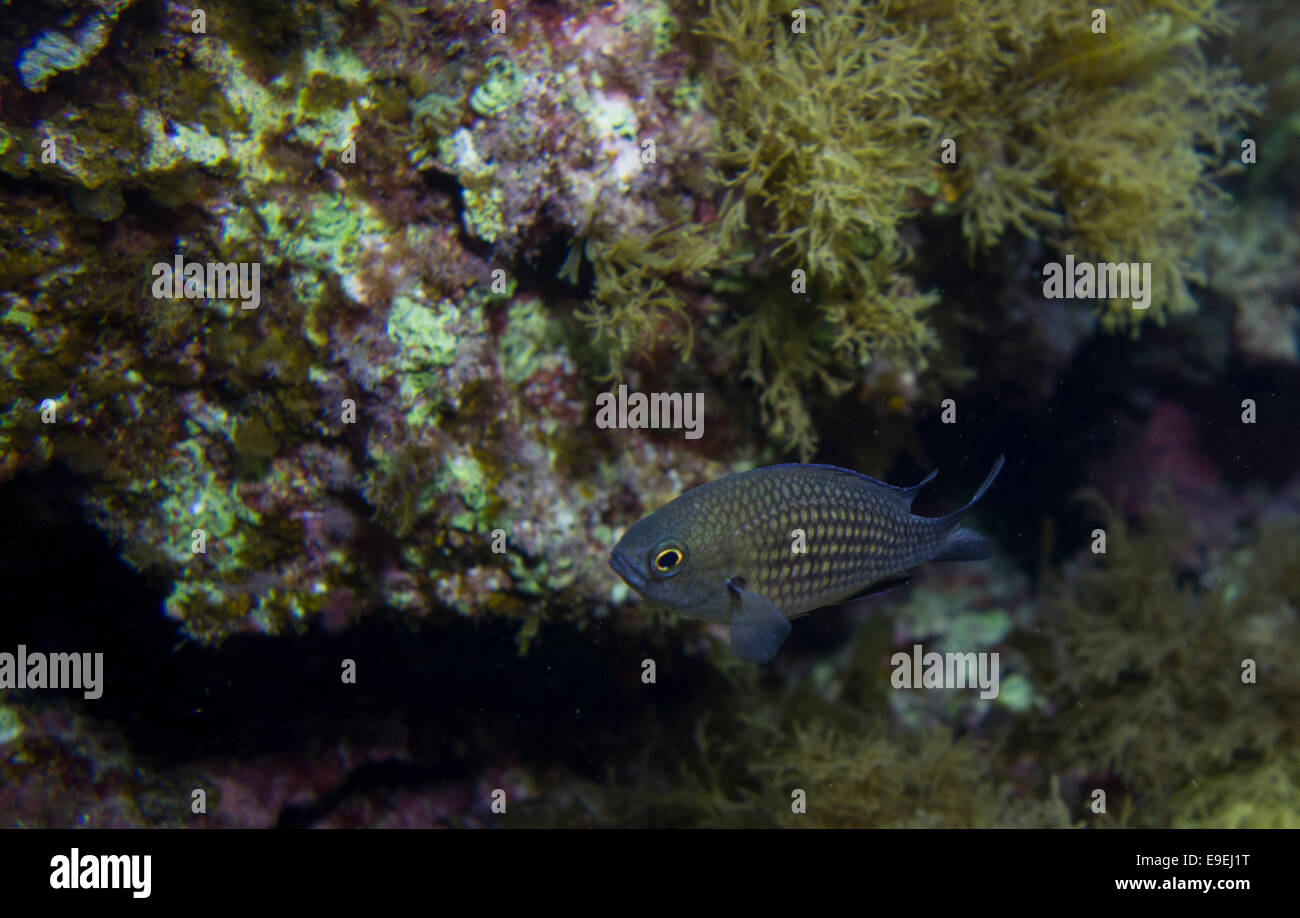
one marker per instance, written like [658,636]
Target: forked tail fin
[956,515]
[966,544]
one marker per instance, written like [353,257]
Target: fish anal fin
[879,588]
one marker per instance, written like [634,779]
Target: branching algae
[830,127]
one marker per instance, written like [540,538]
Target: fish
[756,549]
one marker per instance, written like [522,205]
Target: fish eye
[668,559]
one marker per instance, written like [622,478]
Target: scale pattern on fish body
[853,535]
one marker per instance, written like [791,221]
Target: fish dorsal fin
[907,495]
[904,496]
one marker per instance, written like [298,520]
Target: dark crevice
[446,183]
[459,688]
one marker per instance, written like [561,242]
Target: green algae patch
[322,243]
[179,144]
[54,51]
[191,495]
[11,725]
[501,89]
[657,20]
[426,333]
[529,341]
[483,196]
[462,476]
[1263,797]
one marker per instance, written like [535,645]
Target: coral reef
[328,168]
[464,233]
[336,414]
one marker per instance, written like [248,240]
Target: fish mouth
[624,568]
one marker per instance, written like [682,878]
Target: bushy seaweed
[1155,669]
[828,143]
[837,768]
[638,278]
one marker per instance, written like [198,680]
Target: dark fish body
[729,551]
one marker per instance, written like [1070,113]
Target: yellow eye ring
[668,559]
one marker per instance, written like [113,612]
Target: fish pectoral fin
[757,627]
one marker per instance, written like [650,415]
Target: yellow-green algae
[1264,797]
[1106,145]
[530,342]
[500,90]
[1150,667]
[54,52]
[846,770]
[11,725]
[211,590]
[481,192]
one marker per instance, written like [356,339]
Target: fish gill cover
[368,485]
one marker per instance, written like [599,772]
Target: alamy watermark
[197,280]
[656,411]
[54,670]
[1105,280]
[75,870]
[946,671]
